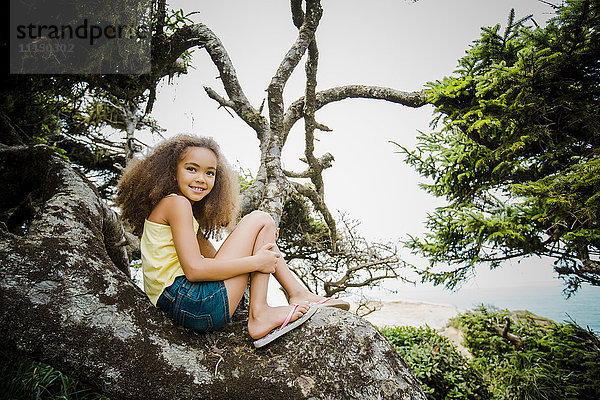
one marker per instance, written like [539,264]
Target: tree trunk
[63,301]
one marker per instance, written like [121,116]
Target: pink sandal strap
[326,299]
[290,315]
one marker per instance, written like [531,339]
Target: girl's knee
[261,218]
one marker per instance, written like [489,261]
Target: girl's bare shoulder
[169,208]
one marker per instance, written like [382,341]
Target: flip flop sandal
[286,326]
[336,303]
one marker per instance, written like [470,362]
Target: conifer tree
[517,155]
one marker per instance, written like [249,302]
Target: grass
[24,379]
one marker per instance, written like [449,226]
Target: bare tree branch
[315,167]
[355,263]
[409,99]
[218,98]
[276,187]
[309,115]
[516,341]
[305,174]
[271,188]
[292,58]
[237,99]
[297,13]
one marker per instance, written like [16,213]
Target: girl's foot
[308,297]
[264,320]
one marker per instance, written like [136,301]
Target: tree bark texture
[63,301]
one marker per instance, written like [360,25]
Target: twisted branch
[315,166]
[410,99]
[237,99]
[306,34]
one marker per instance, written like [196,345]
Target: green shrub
[443,372]
[556,361]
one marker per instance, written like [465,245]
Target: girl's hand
[267,258]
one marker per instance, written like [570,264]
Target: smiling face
[196,172]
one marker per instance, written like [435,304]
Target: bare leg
[287,279]
[297,293]
[262,318]
[255,230]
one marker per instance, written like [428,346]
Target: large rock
[63,301]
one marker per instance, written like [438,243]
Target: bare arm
[177,212]
[206,247]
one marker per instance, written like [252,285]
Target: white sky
[394,43]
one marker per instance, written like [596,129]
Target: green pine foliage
[517,156]
[443,372]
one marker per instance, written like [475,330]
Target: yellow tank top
[160,263]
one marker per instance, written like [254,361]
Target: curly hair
[146,181]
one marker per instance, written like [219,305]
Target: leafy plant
[556,361]
[443,372]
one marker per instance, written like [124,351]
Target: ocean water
[543,299]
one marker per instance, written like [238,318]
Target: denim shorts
[200,306]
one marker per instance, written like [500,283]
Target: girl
[177,197]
